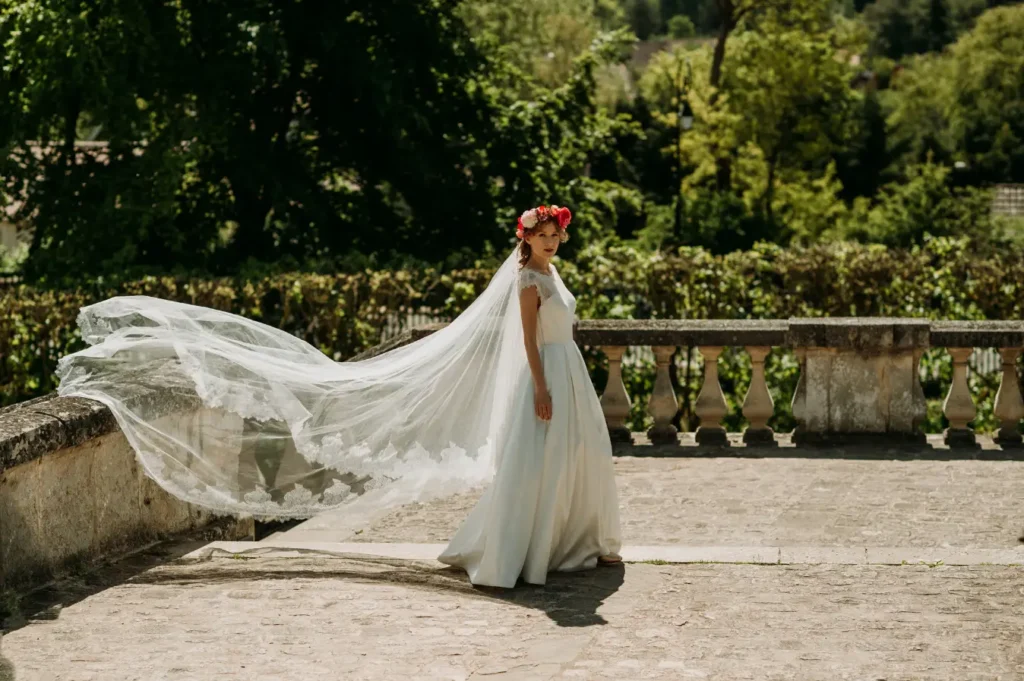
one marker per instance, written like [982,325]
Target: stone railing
[859,378]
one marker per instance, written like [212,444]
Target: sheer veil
[243,418]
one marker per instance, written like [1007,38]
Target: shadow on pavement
[46,603]
[6,668]
[569,599]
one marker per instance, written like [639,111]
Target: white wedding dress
[552,505]
[239,417]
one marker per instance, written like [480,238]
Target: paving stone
[774,502]
[342,618]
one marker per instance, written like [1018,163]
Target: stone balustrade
[859,378]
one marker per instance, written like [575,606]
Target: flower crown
[535,216]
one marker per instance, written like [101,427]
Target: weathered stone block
[859,378]
[62,505]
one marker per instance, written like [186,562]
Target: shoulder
[527,278]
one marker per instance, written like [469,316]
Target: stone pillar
[663,403]
[959,405]
[1009,405]
[615,400]
[711,407]
[859,379]
[758,405]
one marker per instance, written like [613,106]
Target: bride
[242,418]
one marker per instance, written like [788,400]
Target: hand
[542,404]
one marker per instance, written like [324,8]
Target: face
[545,239]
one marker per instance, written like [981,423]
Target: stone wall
[72,491]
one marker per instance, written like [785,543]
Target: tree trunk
[728,23]
[723,164]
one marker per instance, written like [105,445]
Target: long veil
[243,418]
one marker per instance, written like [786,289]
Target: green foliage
[242,118]
[233,137]
[234,144]
[681,26]
[540,39]
[986,115]
[967,104]
[343,314]
[924,205]
[644,18]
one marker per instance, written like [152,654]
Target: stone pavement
[356,618]
[818,613]
[773,502]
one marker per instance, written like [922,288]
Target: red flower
[564,217]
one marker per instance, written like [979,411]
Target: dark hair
[524,248]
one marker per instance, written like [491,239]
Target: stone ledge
[997,334]
[864,334]
[857,333]
[708,333]
[46,424]
[32,429]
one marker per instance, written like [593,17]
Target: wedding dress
[239,417]
[553,504]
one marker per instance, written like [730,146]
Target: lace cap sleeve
[529,278]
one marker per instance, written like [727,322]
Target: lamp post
[684,121]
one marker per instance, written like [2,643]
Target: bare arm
[529,305]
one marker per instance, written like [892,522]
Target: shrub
[343,314]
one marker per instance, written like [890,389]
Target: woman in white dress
[553,503]
[239,417]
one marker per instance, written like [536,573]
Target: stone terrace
[883,554]
[796,568]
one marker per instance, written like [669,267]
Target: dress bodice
[557,308]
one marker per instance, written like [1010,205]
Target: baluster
[920,412]
[799,403]
[1009,405]
[663,404]
[758,405]
[959,406]
[710,406]
[615,400]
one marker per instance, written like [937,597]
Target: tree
[940,27]
[922,205]
[230,134]
[794,96]
[114,62]
[541,39]
[864,164]
[896,27]
[681,26]
[905,27]
[644,18]
[731,14]
[986,93]
[920,98]
[967,103]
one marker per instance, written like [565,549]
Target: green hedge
[345,313]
